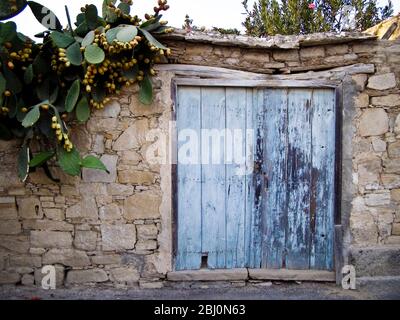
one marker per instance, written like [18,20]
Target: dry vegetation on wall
[44,86]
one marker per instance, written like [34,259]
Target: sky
[208,13]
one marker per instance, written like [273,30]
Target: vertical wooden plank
[213,176]
[323,179]
[251,102]
[275,162]
[235,191]
[299,175]
[256,184]
[188,185]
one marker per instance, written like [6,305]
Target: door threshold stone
[209,275]
[252,274]
[292,275]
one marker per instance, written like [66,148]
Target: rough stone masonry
[116,229]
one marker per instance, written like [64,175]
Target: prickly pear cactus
[46,86]
[10,8]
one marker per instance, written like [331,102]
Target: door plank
[322,181]
[256,184]
[251,101]
[275,211]
[299,175]
[188,184]
[213,177]
[235,190]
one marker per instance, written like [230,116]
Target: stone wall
[270,60]
[374,217]
[98,229]
[116,229]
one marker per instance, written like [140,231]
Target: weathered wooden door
[279,214]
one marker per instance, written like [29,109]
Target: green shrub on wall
[44,86]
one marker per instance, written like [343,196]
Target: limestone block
[374,122]
[312,52]
[69,191]
[51,239]
[30,208]
[368,170]
[134,137]
[382,81]
[144,205]
[391,166]
[118,237]
[337,49]
[66,257]
[377,199]
[116,189]
[8,208]
[10,227]
[395,240]
[8,277]
[147,231]
[135,177]
[92,189]
[47,225]
[374,261]
[384,218]
[394,150]
[378,145]
[96,125]
[209,275]
[25,261]
[362,100]
[391,100]
[144,245]
[341,58]
[110,212]
[363,228]
[151,285]
[360,80]
[131,157]
[397,125]
[391,181]
[85,240]
[86,276]
[104,200]
[139,109]
[54,214]
[106,259]
[396,229]
[98,144]
[87,208]
[126,274]
[13,243]
[28,280]
[286,55]
[395,195]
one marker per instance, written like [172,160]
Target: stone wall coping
[278,41]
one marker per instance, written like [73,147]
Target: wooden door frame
[273,83]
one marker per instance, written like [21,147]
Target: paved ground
[377,289]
